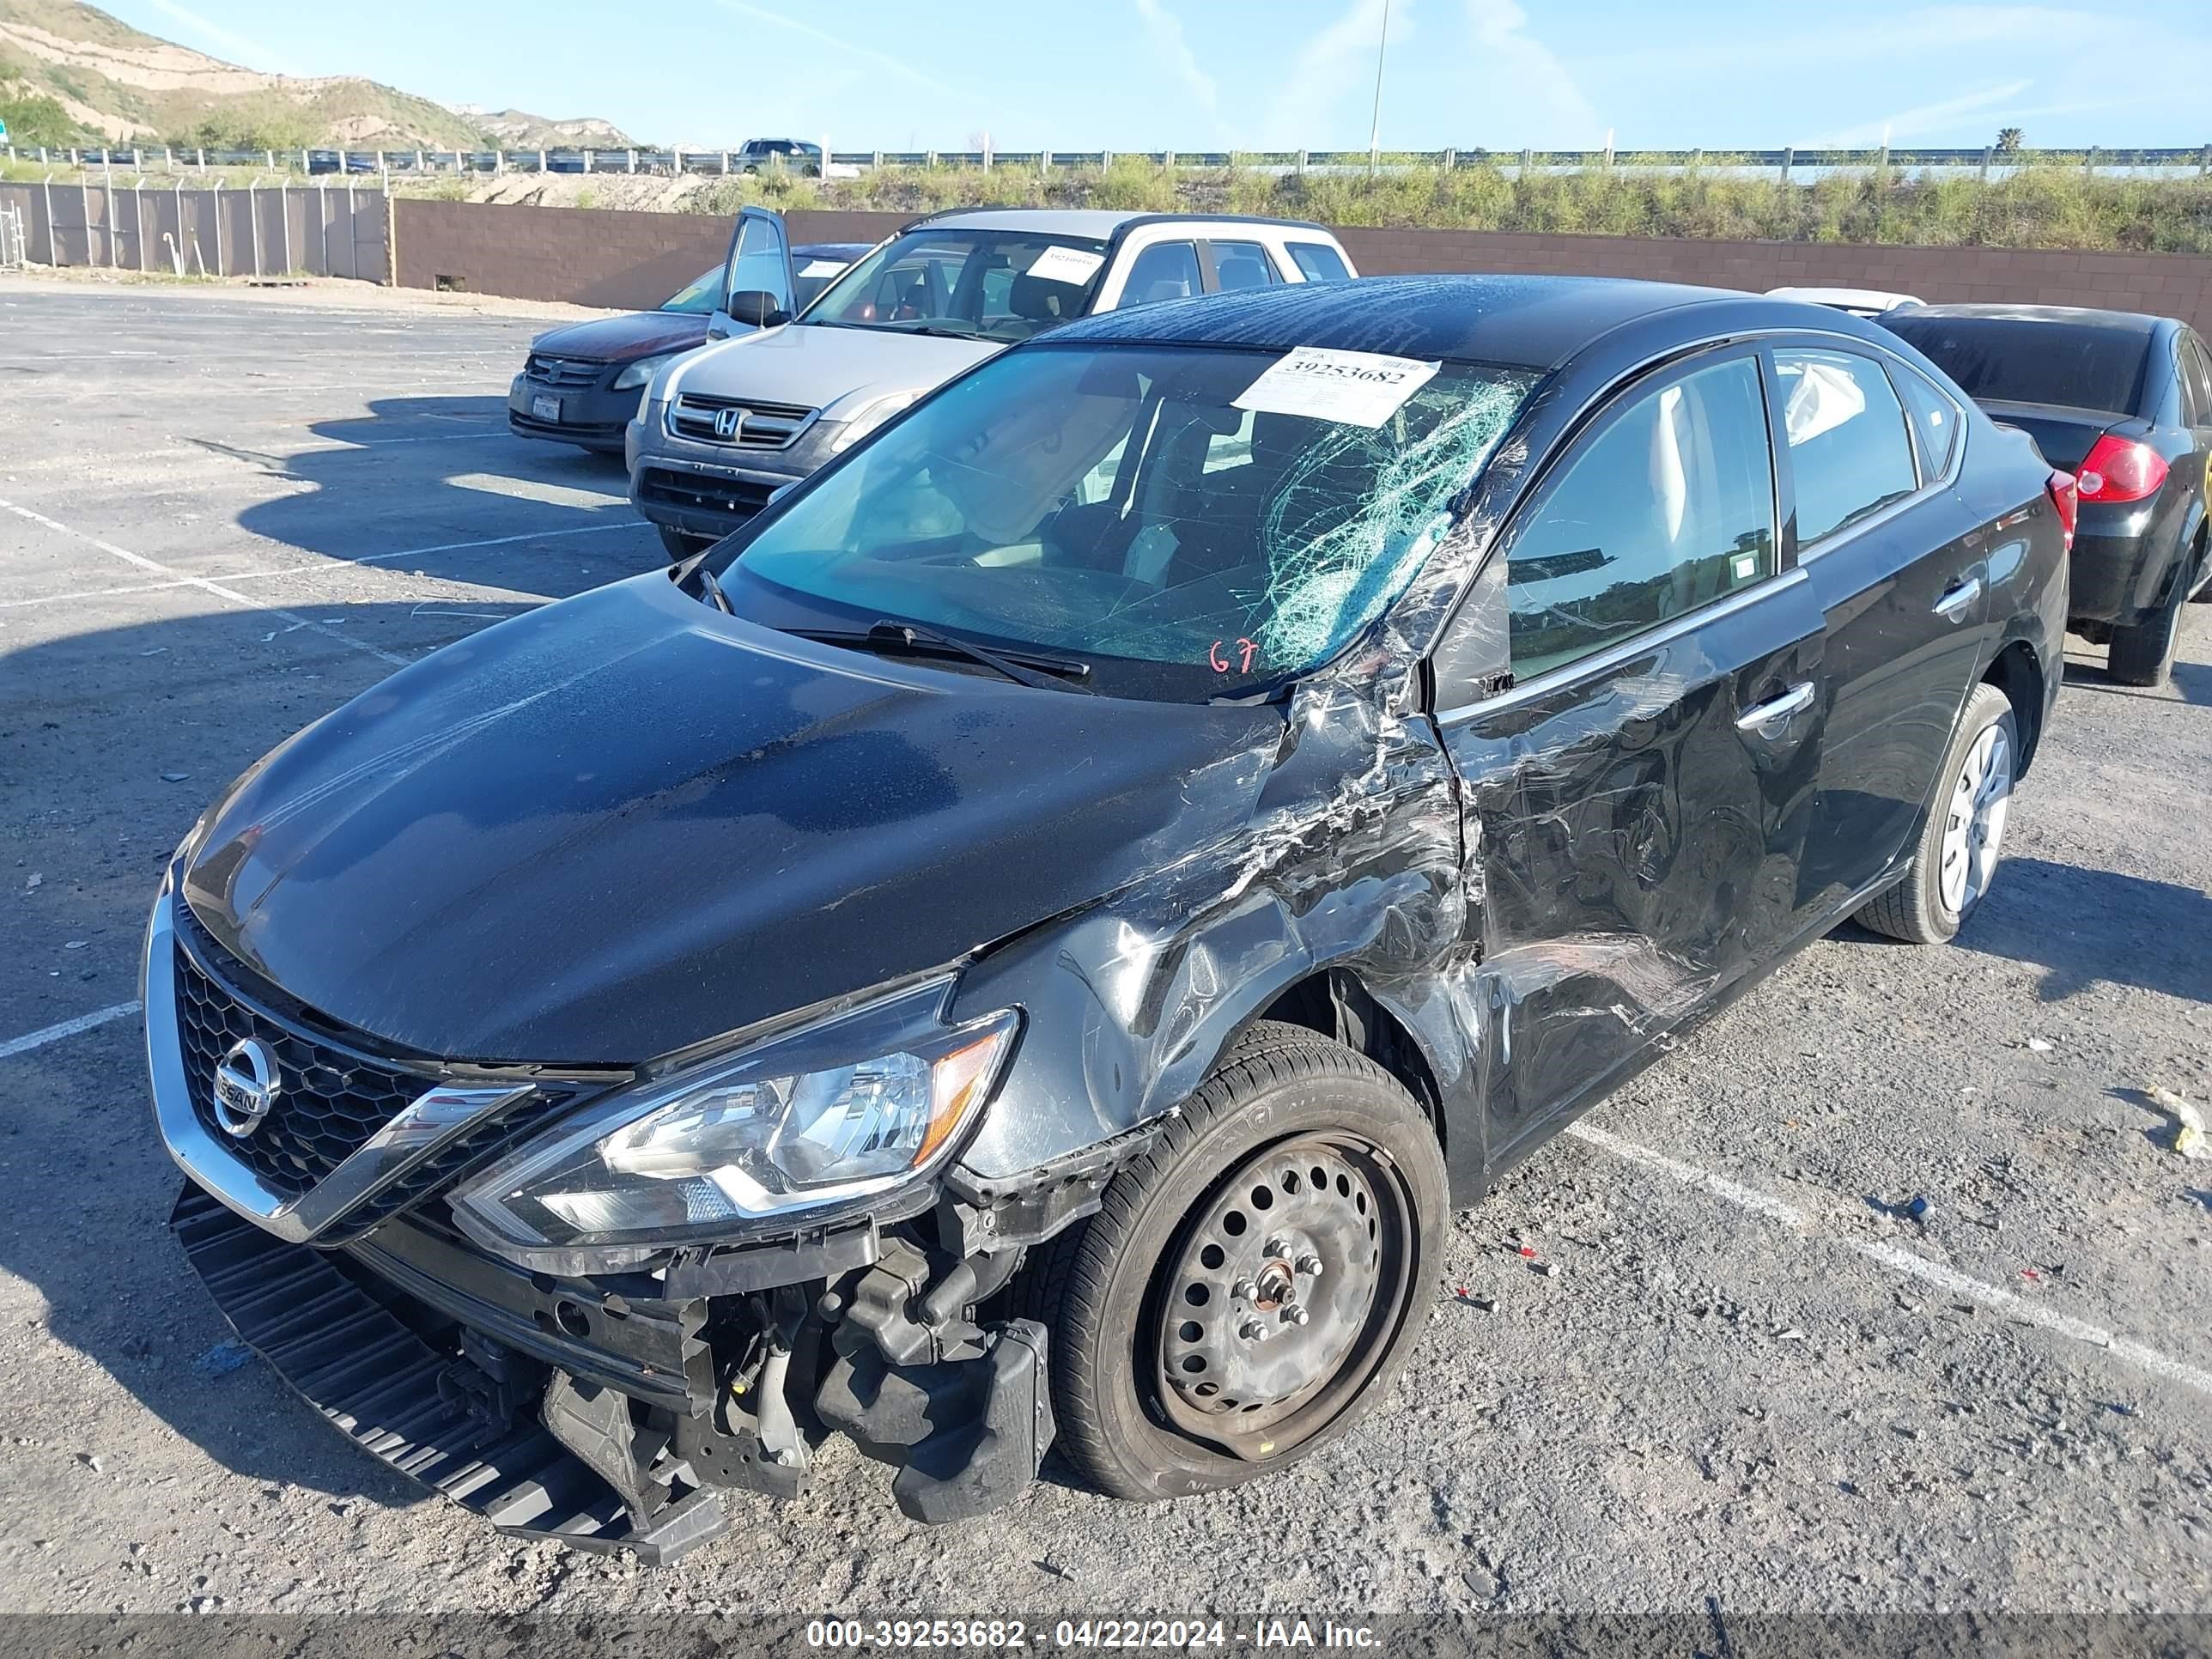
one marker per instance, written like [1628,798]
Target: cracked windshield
[1163,521]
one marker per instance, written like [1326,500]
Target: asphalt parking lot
[1753,1381]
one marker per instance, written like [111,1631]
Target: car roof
[1531,322]
[1100,222]
[847,251]
[2127,322]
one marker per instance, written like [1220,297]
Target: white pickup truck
[721,430]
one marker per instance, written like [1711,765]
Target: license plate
[546,409]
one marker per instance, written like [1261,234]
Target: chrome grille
[567,373]
[333,1097]
[741,422]
[332,1100]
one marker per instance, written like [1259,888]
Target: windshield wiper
[936,329]
[1024,668]
[713,589]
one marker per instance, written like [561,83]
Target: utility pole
[1374,126]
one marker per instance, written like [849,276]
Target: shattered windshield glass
[1190,521]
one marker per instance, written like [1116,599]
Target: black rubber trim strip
[374,1380]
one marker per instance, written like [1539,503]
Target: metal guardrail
[1786,164]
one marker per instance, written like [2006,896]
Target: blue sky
[1216,74]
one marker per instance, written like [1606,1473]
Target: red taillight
[2066,496]
[2120,470]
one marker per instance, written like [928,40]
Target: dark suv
[1033,935]
[2123,402]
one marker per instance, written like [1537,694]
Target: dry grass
[2048,205]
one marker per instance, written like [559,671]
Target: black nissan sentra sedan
[2125,403]
[1034,935]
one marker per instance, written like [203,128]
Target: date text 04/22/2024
[1196,1634]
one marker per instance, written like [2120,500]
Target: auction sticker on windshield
[1358,388]
[1066,265]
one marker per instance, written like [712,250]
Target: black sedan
[581,383]
[1038,930]
[2125,401]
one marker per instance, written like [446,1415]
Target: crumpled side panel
[1352,860]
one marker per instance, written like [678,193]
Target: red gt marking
[1219,664]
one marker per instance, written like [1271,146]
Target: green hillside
[113,82]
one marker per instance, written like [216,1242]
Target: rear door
[759,262]
[1635,786]
[1902,575]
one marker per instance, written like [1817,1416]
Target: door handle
[1953,603]
[1795,700]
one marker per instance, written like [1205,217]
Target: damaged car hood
[625,824]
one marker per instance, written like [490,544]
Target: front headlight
[825,1118]
[642,370]
[866,418]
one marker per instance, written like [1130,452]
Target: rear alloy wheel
[1255,1281]
[681,544]
[1959,845]
[2142,655]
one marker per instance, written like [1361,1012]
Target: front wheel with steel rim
[1252,1282]
[1956,858]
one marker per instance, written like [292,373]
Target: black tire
[681,544]
[1915,909]
[2144,654]
[2201,574]
[1281,1092]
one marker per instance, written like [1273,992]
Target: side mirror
[751,306]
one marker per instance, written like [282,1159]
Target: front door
[756,277]
[1636,801]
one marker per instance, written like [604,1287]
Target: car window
[702,295]
[1320,263]
[982,284]
[1849,453]
[2197,376]
[2029,360]
[757,264]
[1155,510]
[1669,507]
[1933,418]
[1165,271]
[1242,265]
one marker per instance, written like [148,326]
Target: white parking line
[229,595]
[40,1038]
[319,565]
[1898,1260]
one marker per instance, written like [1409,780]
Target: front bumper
[711,489]
[407,1390]
[593,416]
[607,1411]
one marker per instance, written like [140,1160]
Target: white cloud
[248,52]
[1165,29]
[1529,98]
[1335,62]
[1925,120]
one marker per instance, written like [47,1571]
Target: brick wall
[2171,284]
[597,257]
[588,256]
